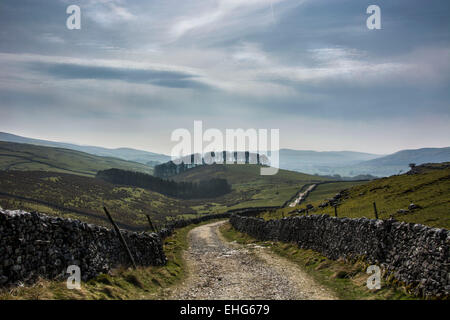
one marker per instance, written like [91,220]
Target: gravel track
[218,270]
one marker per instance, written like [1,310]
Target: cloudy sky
[137,70]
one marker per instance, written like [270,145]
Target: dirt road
[302,196]
[222,270]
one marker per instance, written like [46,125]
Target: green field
[75,193]
[27,157]
[328,190]
[83,197]
[429,189]
[250,189]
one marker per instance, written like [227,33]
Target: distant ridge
[351,164]
[398,162]
[140,156]
[418,156]
[321,162]
[327,163]
[29,157]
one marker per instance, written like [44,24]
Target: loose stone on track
[222,270]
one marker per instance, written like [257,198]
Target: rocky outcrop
[34,245]
[415,255]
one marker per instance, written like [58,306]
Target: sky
[138,70]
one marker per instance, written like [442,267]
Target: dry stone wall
[170,227]
[34,245]
[415,255]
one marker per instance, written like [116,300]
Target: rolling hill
[81,197]
[250,189]
[399,161]
[144,157]
[428,188]
[26,157]
[350,164]
[344,163]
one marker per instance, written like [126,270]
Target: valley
[65,193]
[216,261]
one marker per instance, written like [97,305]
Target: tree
[184,190]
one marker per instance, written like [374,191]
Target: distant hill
[326,163]
[144,157]
[323,163]
[250,188]
[26,157]
[399,161]
[186,163]
[417,156]
[351,164]
[244,174]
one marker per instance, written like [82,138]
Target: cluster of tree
[184,190]
[169,169]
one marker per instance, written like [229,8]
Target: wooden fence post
[375,210]
[121,238]
[151,224]
[335,211]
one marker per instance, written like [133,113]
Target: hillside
[205,189]
[328,190]
[428,189]
[144,157]
[81,197]
[243,173]
[25,157]
[249,187]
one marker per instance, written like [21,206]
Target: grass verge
[122,283]
[347,279]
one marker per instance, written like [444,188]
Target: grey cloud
[285,82]
[164,78]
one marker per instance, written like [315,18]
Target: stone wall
[33,245]
[170,227]
[415,255]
